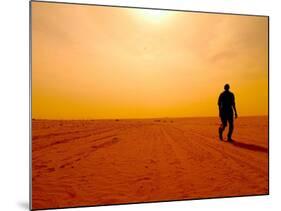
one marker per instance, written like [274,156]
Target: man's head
[226,87]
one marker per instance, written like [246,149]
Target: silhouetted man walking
[226,105]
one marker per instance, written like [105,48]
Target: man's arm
[219,104]
[234,107]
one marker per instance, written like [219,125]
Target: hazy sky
[104,62]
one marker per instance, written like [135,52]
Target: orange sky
[103,62]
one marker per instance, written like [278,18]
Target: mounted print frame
[135,105]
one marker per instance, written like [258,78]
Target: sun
[153,15]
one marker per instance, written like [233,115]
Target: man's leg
[222,127]
[231,126]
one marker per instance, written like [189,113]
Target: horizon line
[144,118]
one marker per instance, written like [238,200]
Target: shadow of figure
[250,146]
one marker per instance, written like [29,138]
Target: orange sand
[97,162]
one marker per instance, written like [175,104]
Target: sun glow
[153,15]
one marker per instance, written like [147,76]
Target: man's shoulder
[226,93]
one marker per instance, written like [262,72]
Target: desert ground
[98,162]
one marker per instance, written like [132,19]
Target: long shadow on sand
[250,146]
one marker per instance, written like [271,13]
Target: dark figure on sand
[226,105]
